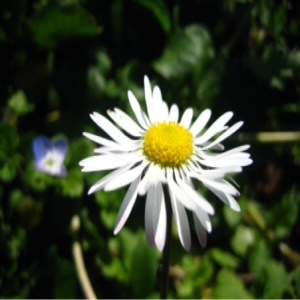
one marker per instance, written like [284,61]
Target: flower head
[49,155]
[158,148]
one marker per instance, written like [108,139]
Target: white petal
[155,217]
[149,212]
[227,199]
[216,127]
[103,162]
[237,149]
[125,122]
[231,160]
[203,218]
[150,103]
[136,152]
[161,107]
[193,195]
[153,175]
[110,129]
[225,135]
[160,234]
[187,117]
[235,152]
[180,194]
[126,206]
[222,186]
[136,108]
[99,140]
[201,233]
[215,173]
[224,162]
[162,112]
[102,182]
[157,97]
[174,113]
[125,178]
[200,122]
[181,221]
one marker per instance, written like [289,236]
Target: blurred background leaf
[188,49]
[55,23]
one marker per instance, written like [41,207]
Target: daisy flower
[49,155]
[160,151]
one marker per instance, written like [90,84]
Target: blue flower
[49,155]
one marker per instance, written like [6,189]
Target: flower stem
[270,137]
[164,272]
[79,263]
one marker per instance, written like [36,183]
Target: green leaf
[284,215]
[79,149]
[72,184]
[230,286]
[9,140]
[128,241]
[273,69]
[188,49]
[17,243]
[110,201]
[209,81]
[243,238]
[10,159]
[223,258]
[143,268]
[115,270]
[294,58]
[160,11]
[259,255]
[295,278]
[108,218]
[114,267]
[96,76]
[19,105]
[232,217]
[9,169]
[54,24]
[65,280]
[277,280]
[38,180]
[198,273]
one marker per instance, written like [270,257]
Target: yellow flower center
[168,144]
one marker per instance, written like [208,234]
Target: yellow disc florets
[168,144]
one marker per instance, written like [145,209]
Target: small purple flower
[49,155]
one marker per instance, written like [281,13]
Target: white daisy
[158,149]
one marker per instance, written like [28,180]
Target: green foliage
[160,11]
[189,49]
[224,259]
[65,280]
[276,280]
[295,280]
[52,24]
[284,215]
[230,286]
[243,238]
[9,157]
[62,60]
[19,105]
[142,266]
[197,273]
[72,186]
